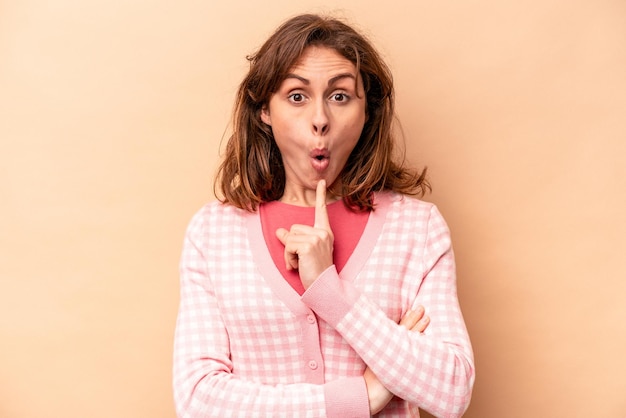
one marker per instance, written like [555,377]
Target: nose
[320,120]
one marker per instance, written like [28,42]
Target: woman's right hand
[379,396]
[309,249]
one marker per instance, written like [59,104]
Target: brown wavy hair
[252,169]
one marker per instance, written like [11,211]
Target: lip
[320,159]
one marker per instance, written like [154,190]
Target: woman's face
[316,115]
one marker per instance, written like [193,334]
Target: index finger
[321,214]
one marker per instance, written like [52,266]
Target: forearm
[220,394]
[423,369]
[411,365]
[206,381]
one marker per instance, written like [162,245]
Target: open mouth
[320,154]
[320,159]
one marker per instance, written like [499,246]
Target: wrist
[377,393]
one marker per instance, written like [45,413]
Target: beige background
[111,114]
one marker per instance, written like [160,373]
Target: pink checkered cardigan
[248,345]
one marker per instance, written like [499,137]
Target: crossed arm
[433,371]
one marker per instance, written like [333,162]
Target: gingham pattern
[245,347]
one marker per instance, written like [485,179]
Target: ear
[265,115]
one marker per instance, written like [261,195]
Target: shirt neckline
[354,265]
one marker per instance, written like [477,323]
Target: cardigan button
[312,364]
[311,319]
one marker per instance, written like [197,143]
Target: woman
[302,289]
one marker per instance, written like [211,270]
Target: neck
[305,197]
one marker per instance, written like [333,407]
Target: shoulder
[416,222]
[400,205]
[217,216]
[410,214]
[217,208]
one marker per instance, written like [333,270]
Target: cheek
[344,148]
[286,145]
[358,122]
[286,128]
[353,132]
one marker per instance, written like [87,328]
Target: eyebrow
[330,82]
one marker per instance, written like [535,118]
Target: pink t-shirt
[347,227]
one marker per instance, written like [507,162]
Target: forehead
[322,59]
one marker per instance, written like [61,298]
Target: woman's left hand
[309,249]
[379,396]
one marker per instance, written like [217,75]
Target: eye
[339,97]
[296,97]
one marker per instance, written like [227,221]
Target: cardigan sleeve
[434,370]
[204,385]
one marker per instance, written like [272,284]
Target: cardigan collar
[354,265]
